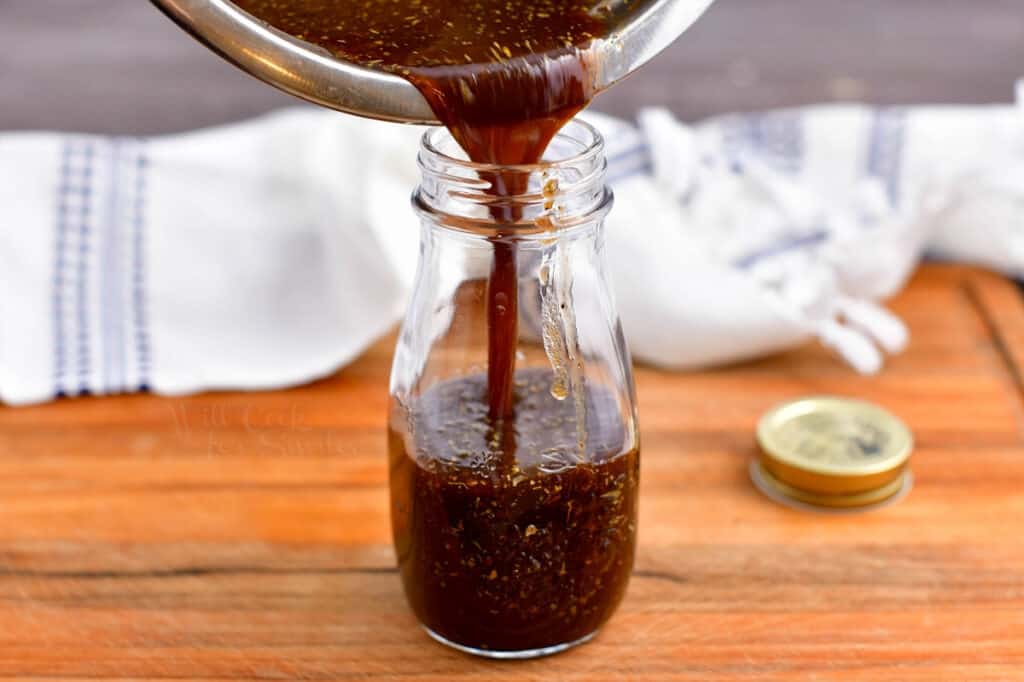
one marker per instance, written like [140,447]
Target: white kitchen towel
[240,257]
[272,252]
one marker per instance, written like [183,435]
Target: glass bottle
[514,452]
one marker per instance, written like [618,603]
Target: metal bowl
[312,73]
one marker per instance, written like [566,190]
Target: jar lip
[594,147]
[557,228]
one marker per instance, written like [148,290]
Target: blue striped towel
[272,252]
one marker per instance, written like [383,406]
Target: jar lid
[833,452]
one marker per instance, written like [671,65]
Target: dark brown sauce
[512,553]
[502,75]
[498,548]
[426,33]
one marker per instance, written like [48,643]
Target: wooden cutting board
[240,535]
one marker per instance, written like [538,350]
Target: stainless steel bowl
[313,74]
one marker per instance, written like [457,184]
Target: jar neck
[565,190]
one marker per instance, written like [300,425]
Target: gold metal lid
[833,452]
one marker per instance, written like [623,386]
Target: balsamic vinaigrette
[499,548]
[521,555]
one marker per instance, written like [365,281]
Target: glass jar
[514,453]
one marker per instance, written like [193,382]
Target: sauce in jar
[507,538]
[512,549]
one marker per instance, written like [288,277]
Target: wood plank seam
[970,289]
[197,571]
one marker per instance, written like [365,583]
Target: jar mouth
[560,227]
[576,143]
[565,189]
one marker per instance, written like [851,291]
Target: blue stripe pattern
[793,243]
[84,255]
[629,163]
[778,138]
[885,150]
[141,320]
[63,226]
[71,266]
[775,137]
[98,258]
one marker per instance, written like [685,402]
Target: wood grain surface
[246,535]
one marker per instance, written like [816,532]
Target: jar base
[512,655]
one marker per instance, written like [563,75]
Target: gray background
[118,66]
